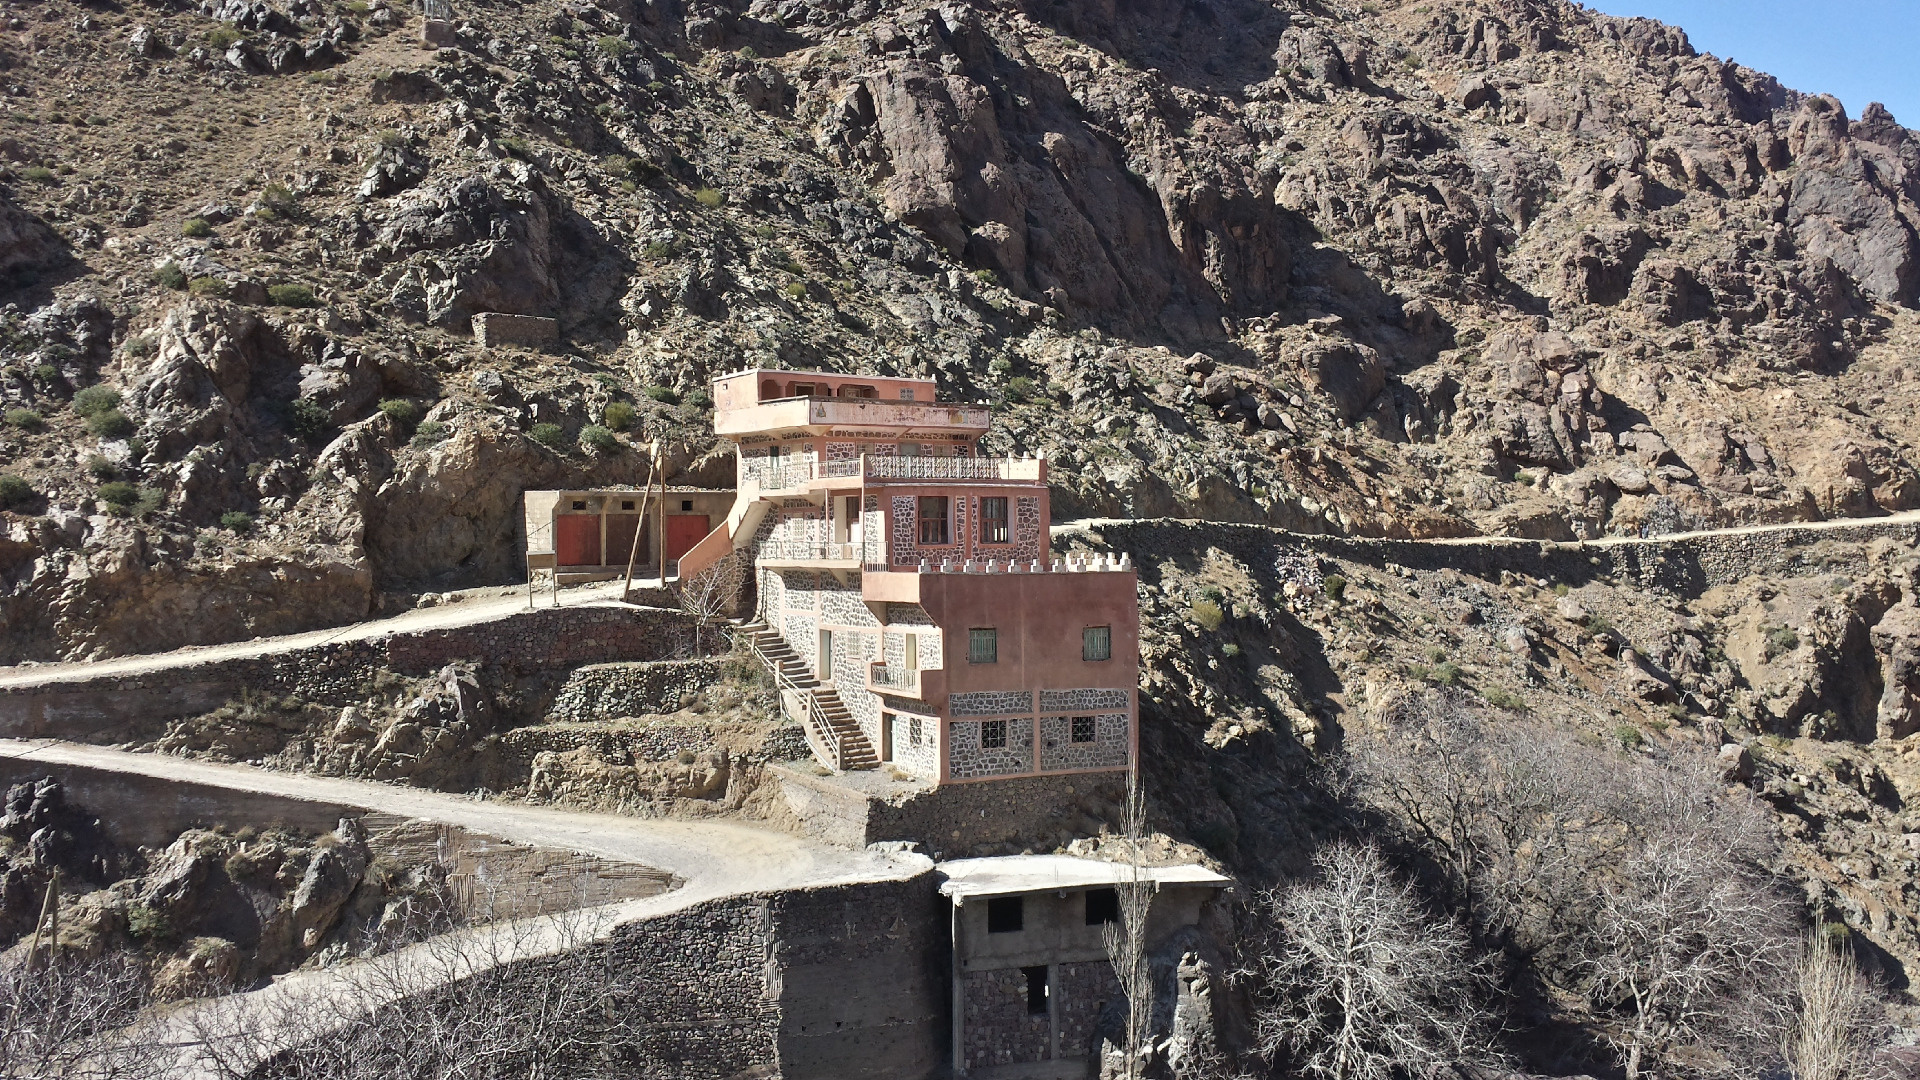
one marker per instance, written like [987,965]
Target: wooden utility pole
[49,922]
[640,526]
[662,473]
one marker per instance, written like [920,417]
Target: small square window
[579,504]
[993,734]
[983,645]
[1096,643]
[1084,729]
[1006,915]
[626,504]
[1103,906]
[686,505]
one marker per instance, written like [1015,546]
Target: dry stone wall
[340,673]
[609,691]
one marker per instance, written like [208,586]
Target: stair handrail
[816,717]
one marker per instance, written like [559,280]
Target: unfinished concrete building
[908,600]
[1031,974]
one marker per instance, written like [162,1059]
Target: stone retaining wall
[1688,565]
[610,691]
[952,820]
[340,673]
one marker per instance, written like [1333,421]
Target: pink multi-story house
[907,597]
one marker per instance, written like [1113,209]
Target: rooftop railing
[786,474]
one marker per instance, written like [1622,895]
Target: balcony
[853,416]
[771,475]
[806,555]
[884,678]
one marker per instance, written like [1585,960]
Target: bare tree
[1641,886]
[711,594]
[1357,981]
[1126,938]
[486,1004]
[1841,1016]
[76,1016]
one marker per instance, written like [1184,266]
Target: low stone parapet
[494,328]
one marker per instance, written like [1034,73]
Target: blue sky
[1857,50]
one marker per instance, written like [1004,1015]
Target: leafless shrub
[533,999]
[711,594]
[1840,1016]
[1359,982]
[1640,886]
[76,1016]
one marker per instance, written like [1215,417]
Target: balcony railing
[882,676]
[808,551]
[786,474]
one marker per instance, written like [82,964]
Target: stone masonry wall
[607,691]
[998,1028]
[336,674]
[494,328]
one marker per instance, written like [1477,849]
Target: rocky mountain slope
[1398,269]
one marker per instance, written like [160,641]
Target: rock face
[1454,267]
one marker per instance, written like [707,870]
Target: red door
[576,539]
[684,531]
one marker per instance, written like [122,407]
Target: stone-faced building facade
[1031,974]
[908,582]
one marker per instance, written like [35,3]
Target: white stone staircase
[833,733]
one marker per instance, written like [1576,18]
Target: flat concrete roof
[1008,874]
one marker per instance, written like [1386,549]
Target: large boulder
[1350,375]
[1896,640]
[27,244]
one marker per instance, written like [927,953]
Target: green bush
[292,296]
[658,249]
[276,202]
[1207,615]
[307,419]
[237,521]
[1335,587]
[1781,640]
[44,374]
[1230,650]
[196,227]
[170,275]
[516,147]
[118,493]
[551,436]
[1020,388]
[101,468]
[430,433]
[617,416]
[141,345]
[211,287]
[39,174]
[795,290]
[404,414]
[1630,737]
[13,491]
[699,399]
[1446,673]
[709,198]
[1502,698]
[613,46]
[986,277]
[598,439]
[144,924]
[222,38]
[665,395]
[112,424]
[25,419]
[1000,366]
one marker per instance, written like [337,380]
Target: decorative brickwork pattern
[967,759]
[1026,529]
[798,630]
[873,534]
[920,756]
[999,1030]
[990,703]
[1083,701]
[906,541]
[842,451]
[1080,991]
[1108,750]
